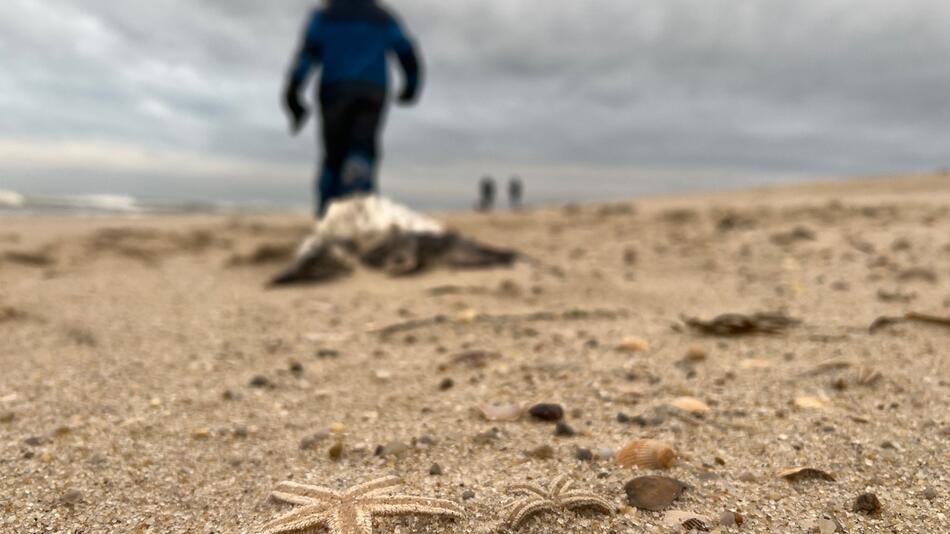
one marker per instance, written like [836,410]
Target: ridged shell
[653,493]
[688,520]
[647,454]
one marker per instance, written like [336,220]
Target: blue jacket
[351,39]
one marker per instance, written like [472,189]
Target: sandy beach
[150,383]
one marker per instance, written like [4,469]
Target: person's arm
[410,62]
[308,57]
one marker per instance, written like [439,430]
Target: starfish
[559,495]
[350,511]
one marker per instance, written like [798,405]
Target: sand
[149,383]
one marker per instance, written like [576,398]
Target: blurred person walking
[351,40]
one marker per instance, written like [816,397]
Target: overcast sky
[180,98]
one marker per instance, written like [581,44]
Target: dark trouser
[352,118]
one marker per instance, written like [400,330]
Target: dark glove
[298,112]
[408,95]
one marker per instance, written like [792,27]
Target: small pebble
[544,452]
[311,441]
[296,368]
[696,354]
[395,448]
[584,455]
[564,430]
[260,381]
[435,470]
[867,503]
[426,439]
[328,353]
[486,437]
[730,519]
[336,451]
[468,495]
[446,384]
[930,494]
[547,412]
[72,497]
[34,441]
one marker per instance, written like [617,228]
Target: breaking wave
[106,204]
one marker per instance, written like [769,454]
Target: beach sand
[149,383]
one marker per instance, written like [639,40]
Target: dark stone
[547,412]
[446,384]
[435,470]
[468,495]
[260,381]
[632,419]
[310,442]
[564,430]
[584,455]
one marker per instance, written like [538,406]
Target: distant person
[515,193]
[351,39]
[486,194]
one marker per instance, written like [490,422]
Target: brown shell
[653,493]
[796,474]
[647,454]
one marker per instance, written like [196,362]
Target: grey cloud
[770,87]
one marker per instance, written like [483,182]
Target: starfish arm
[577,499]
[304,520]
[561,485]
[529,488]
[350,520]
[315,493]
[374,487]
[292,498]
[526,508]
[410,505]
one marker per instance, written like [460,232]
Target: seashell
[755,363]
[647,454]
[797,474]
[687,520]
[653,493]
[633,344]
[810,403]
[691,405]
[501,412]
